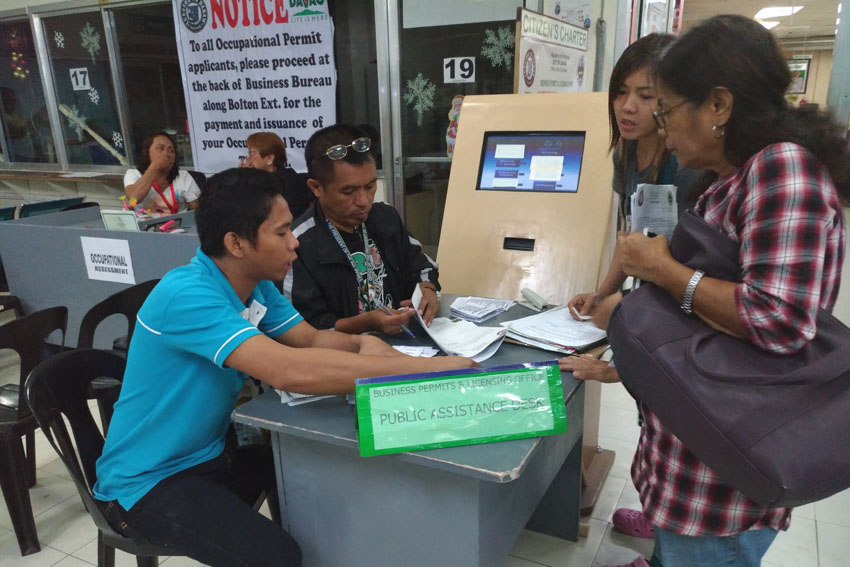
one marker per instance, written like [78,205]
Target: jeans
[739,550]
[206,513]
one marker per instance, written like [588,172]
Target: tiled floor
[819,534]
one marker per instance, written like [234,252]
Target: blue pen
[386,310]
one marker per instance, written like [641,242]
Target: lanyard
[173,207]
[367,287]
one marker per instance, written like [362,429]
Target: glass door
[440,52]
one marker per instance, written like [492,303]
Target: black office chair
[47,207]
[58,388]
[126,302]
[25,335]
[83,205]
[199,177]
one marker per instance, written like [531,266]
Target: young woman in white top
[156,183]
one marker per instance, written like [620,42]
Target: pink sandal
[639,562]
[632,523]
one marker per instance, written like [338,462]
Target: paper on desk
[461,337]
[654,208]
[295,399]
[557,328]
[479,309]
[417,350]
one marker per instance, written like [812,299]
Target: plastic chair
[58,388]
[8,301]
[26,336]
[126,302]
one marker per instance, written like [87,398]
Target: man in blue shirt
[167,473]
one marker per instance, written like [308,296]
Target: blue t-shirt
[177,396]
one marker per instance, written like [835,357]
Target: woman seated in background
[267,151]
[157,184]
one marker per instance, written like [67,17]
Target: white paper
[478,309]
[654,207]
[460,337]
[424,351]
[108,259]
[557,327]
[295,399]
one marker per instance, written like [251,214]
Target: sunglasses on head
[339,151]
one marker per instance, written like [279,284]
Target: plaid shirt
[784,210]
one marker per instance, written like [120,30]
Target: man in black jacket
[357,265]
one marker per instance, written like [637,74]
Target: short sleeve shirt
[177,395]
[185,191]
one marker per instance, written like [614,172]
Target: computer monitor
[531,161]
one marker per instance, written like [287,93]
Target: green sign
[444,409]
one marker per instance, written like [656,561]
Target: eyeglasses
[661,115]
[339,151]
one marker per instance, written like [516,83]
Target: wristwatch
[688,298]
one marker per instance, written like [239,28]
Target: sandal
[639,562]
[632,523]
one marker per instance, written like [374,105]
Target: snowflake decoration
[59,39]
[498,47]
[94,96]
[90,40]
[420,95]
[76,122]
[117,140]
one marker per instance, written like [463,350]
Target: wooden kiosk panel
[569,229]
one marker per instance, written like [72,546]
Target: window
[26,128]
[83,82]
[151,72]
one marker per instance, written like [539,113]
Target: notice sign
[445,409]
[108,259]
[551,55]
[254,66]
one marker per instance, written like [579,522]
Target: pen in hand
[386,310]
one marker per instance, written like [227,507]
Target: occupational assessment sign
[445,409]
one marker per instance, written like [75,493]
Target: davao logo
[306,5]
[529,68]
[194,14]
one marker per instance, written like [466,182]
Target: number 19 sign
[459,70]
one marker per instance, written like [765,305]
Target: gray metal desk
[44,264]
[460,506]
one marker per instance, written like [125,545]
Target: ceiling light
[839,7]
[776,12]
[768,25]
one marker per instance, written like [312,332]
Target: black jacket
[295,190]
[321,283]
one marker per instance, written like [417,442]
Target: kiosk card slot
[516,243]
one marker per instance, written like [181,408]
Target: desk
[459,506]
[44,265]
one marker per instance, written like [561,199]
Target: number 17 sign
[459,70]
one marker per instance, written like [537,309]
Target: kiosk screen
[531,161]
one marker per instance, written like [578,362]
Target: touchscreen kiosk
[529,202]
[530,161]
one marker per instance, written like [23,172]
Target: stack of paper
[295,399]
[425,351]
[461,337]
[479,309]
[554,330]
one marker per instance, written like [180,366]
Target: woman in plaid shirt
[780,177]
